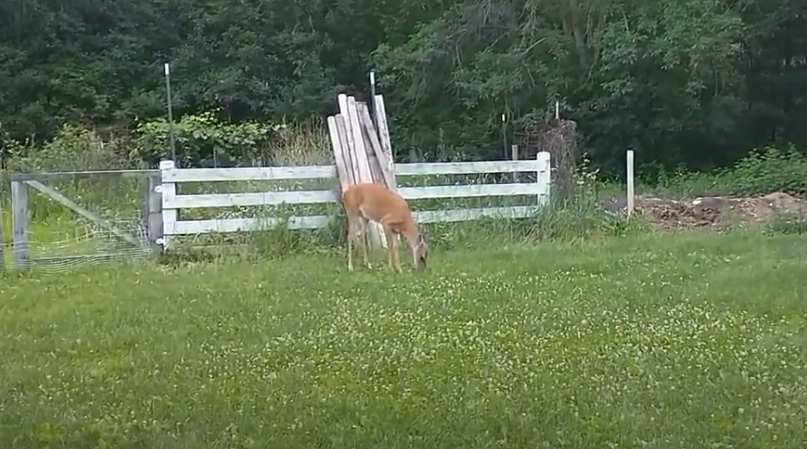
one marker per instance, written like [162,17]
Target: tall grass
[122,200]
[118,199]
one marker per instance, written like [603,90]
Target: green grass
[654,341]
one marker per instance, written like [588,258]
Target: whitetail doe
[374,202]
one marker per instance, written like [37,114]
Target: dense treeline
[698,82]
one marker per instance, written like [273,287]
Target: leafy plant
[768,170]
[73,148]
[202,139]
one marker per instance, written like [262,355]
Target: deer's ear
[421,239]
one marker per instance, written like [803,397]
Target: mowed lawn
[688,341]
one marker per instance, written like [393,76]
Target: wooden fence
[163,200]
[172,202]
[22,183]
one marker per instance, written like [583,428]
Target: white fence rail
[172,202]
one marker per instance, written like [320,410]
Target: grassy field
[654,341]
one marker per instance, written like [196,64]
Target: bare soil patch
[715,211]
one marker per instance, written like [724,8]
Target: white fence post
[168,190]
[544,177]
[631,185]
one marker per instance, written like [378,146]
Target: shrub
[767,171]
[74,148]
[762,171]
[204,140]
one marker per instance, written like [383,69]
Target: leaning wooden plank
[375,167]
[250,199]
[70,204]
[379,165]
[194,227]
[470,191]
[458,168]
[351,145]
[339,160]
[248,173]
[382,126]
[359,152]
[341,126]
[385,165]
[359,149]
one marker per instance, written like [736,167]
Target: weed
[762,171]
[787,223]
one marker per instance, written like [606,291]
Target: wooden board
[384,166]
[386,156]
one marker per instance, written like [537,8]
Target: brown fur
[374,202]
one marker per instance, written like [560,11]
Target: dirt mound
[711,211]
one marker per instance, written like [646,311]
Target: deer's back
[374,201]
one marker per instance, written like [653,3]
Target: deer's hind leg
[356,234]
[363,226]
[396,253]
[352,229]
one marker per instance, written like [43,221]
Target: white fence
[172,202]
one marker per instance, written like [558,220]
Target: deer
[374,202]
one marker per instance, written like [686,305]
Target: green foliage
[787,223]
[586,345]
[577,222]
[760,172]
[76,148]
[73,148]
[202,137]
[612,63]
[769,170]
[694,82]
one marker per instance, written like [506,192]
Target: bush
[766,171]
[73,149]
[204,140]
[760,172]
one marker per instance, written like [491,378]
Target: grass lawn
[687,341]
